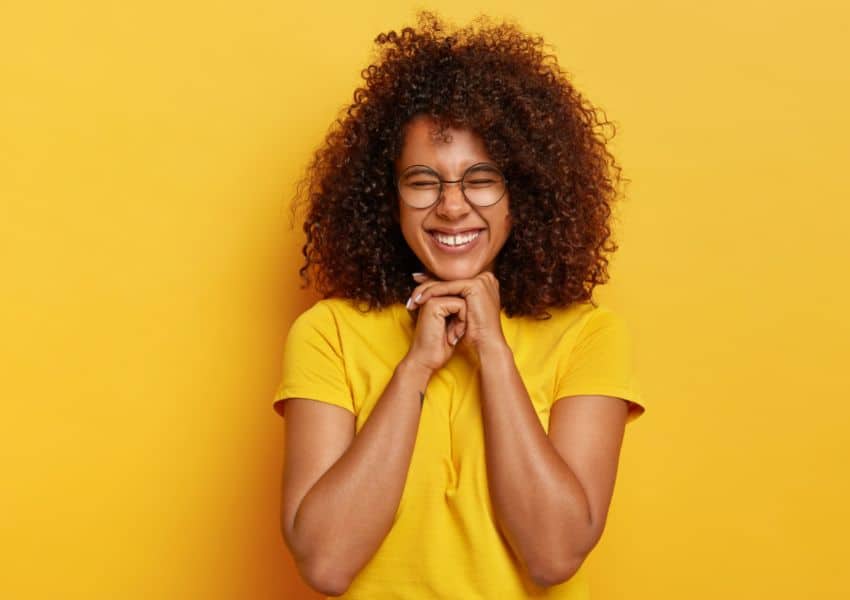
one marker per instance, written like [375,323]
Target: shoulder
[597,358]
[573,329]
[586,318]
[339,314]
[573,321]
[327,309]
[603,317]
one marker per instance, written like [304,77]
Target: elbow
[558,567]
[323,576]
[549,573]
[325,579]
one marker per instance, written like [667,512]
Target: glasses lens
[484,185]
[419,188]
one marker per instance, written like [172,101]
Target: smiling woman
[452,236]
[456,404]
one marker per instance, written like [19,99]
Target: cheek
[504,224]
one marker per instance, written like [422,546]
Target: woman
[456,404]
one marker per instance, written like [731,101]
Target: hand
[480,324]
[439,326]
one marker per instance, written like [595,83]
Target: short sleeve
[312,361]
[601,363]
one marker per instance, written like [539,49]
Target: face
[481,231]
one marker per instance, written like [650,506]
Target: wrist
[412,370]
[493,348]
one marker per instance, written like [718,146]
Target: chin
[453,272]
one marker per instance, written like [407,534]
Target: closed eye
[482,176]
[423,184]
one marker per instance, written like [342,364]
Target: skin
[572,469]
[452,212]
[330,473]
[450,157]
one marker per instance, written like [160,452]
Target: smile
[456,242]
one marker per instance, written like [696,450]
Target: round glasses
[482,184]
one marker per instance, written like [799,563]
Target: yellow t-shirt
[445,542]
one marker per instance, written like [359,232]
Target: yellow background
[148,152]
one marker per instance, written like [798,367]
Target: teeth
[456,240]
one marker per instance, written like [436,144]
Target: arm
[341,491]
[570,473]
[550,493]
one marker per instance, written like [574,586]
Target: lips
[455,241]
[448,231]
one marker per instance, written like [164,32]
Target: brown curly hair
[500,83]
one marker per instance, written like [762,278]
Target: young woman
[456,404]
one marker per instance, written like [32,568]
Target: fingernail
[407,305]
[418,275]
[418,296]
[453,341]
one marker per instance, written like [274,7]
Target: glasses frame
[460,181]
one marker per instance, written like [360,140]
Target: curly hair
[499,82]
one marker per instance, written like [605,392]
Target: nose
[452,204]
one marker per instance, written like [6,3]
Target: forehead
[447,149]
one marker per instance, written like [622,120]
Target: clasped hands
[451,311]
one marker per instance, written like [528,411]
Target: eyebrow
[418,170]
[424,169]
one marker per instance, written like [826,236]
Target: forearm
[343,519]
[539,503]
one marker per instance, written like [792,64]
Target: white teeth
[460,239]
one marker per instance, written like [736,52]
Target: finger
[484,283]
[457,323]
[448,308]
[457,330]
[448,313]
[417,296]
[456,287]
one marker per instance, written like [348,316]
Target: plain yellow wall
[148,152]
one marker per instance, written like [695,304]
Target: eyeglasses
[482,184]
